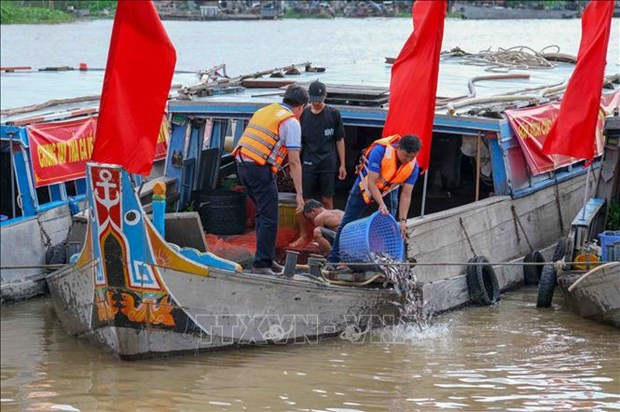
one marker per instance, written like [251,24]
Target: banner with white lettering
[60,150]
[531,125]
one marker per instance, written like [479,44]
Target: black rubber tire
[482,282]
[560,250]
[532,274]
[56,255]
[546,287]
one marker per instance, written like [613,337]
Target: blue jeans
[354,209]
[260,186]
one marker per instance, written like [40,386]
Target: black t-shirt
[319,134]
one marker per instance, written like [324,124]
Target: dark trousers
[353,210]
[260,185]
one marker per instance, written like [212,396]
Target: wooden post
[478,143]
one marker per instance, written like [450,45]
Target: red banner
[531,126]
[60,150]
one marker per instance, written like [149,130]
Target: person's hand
[383,209]
[342,173]
[403,228]
[300,203]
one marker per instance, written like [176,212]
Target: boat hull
[219,311]
[24,243]
[594,295]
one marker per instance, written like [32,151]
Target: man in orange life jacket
[272,133]
[387,164]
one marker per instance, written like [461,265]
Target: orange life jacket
[390,175]
[261,141]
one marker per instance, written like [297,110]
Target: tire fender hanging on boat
[531,273]
[56,254]
[482,282]
[548,277]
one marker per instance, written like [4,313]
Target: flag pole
[424,193]
[585,195]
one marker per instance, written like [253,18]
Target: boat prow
[140,296]
[596,293]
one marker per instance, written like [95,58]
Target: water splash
[404,282]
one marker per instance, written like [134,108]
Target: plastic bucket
[374,234]
[222,212]
[608,238]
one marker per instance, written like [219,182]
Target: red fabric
[137,81]
[413,87]
[573,132]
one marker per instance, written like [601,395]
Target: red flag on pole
[137,81]
[413,87]
[573,132]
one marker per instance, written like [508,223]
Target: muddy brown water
[511,356]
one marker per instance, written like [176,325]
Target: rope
[471,247]
[45,238]
[513,58]
[518,221]
[410,264]
[353,264]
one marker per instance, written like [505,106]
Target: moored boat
[43,157]
[139,296]
[594,294]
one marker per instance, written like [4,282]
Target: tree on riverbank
[53,11]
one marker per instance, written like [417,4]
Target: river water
[511,356]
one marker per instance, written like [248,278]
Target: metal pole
[11,162]
[586,194]
[478,168]
[424,193]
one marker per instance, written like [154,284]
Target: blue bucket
[608,240]
[376,233]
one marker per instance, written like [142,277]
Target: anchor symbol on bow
[106,200]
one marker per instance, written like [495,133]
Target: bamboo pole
[426,173]
[12,165]
[478,167]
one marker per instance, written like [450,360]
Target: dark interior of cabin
[451,183]
[452,170]
[7,202]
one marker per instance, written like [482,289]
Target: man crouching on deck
[326,223]
[272,133]
[386,165]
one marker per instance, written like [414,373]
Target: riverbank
[13,12]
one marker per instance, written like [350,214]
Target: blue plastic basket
[608,239]
[376,233]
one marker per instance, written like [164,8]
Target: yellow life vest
[391,176]
[261,141]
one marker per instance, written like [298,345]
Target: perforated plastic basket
[376,233]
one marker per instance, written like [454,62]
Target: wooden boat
[140,296]
[38,215]
[594,294]
[475,12]
[593,290]
[137,294]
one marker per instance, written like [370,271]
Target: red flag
[573,132]
[137,81]
[413,87]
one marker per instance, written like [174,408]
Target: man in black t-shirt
[322,147]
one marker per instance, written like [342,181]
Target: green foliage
[291,14]
[46,11]
[613,218]
[10,12]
